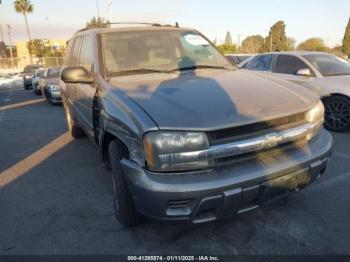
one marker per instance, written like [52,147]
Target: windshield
[53,73]
[30,69]
[329,65]
[158,51]
[39,73]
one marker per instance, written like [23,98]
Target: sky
[304,18]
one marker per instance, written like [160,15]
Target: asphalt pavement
[56,198]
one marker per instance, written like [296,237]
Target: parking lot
[56,198]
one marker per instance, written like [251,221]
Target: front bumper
[226,190]
[27,81]
[55,96]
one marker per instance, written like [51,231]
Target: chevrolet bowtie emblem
[271,141]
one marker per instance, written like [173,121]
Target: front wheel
[124,208]
[337,113]
[74,129]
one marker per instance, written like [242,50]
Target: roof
[137,27]
[297,52]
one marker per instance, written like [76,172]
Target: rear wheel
[337,113]
[74,129]
[124,208]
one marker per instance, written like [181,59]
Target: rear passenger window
[287,64]
[86,53]
[260,63]
[75,52]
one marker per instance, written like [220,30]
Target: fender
[122,118]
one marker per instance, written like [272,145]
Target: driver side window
[290,65]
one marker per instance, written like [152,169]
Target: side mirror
[304,72]
[75,75]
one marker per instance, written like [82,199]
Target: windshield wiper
[140,71]
[199,67]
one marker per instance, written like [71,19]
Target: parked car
[236,59]
[186,135]
[28,74]
[49,85]
[326,75]
[10,80]
[36,79]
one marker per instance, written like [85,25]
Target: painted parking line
[30,102]
[33,160]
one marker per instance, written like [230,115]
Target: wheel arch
[324,98]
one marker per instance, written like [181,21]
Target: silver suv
[186,136]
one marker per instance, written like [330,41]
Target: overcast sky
[304,18]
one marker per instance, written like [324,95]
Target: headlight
[54,88]
[316,117]
[158,145]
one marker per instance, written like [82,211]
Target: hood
[213,99]
[52,81]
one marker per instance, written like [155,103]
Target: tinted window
[31,69]
[329,65]
[287,64]
[86,53]
[260,63]
[233,59]
[75,52]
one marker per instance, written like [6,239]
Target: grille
[265,155]
[235,133]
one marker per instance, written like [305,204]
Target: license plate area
[283,185]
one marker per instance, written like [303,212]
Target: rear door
[84,93]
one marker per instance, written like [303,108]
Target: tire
[124,208]
[337,113]
[26,87]
[74,129]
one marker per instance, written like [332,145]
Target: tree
[24,7]
[228,39]
[277,39]
[253,44]
[227,49]
[38,47]
[290,44]
[98,22]
[313,44]
[346,40]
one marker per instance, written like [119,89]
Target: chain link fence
[8,65]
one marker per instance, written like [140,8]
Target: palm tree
[24,7]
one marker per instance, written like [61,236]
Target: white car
[36,80]
[324,74]
[236,59]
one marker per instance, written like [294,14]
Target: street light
[10,40]
[51,47]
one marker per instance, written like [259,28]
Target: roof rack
[130,23]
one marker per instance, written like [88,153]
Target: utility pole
[10,40]
[239,41]
[2,36]
[98,9]
[51,47]
[109,10]
[271,41]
